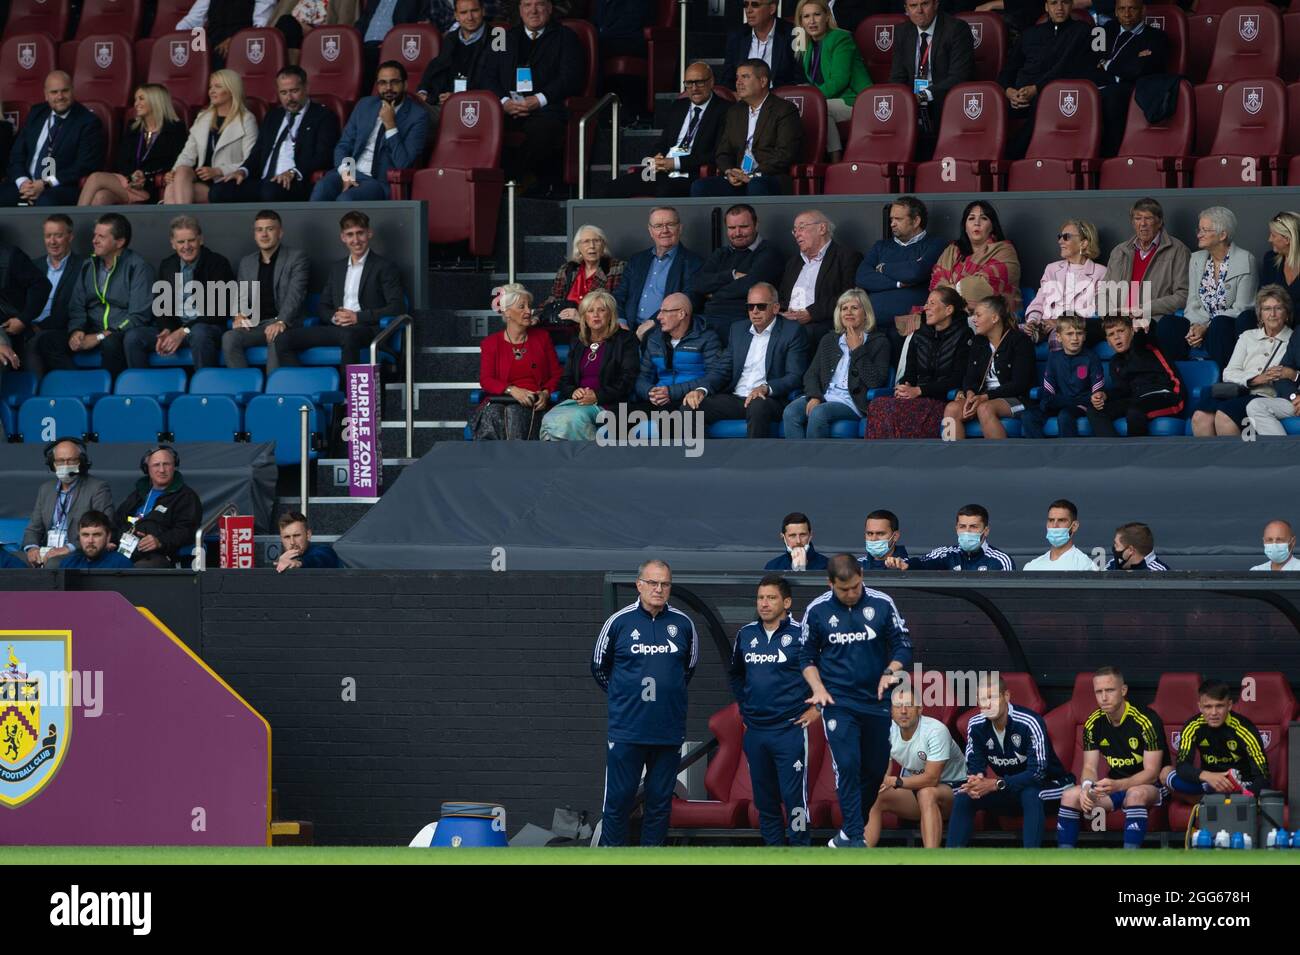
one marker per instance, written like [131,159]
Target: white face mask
[66,472]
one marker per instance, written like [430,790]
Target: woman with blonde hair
[1068,285]
[600,372]
[518,370]
[220,140]
[155,137]
[1281,264]
[833,64]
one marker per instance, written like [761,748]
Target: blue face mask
[878,549]
[1277,553]
[969,542]
[1058,536]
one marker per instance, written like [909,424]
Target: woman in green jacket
[832,64]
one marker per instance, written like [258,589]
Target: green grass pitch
[680,855]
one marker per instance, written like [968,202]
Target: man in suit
[768,358]
[280,276]
[61,142]
[541,66]
[689,140]
[1056,49]
[183,318]
[760,140]
[764,37]
[51,533]
[384,132]
[297,138]
[933,52]
[362,289]
[373,24]
[654,273]
[1133,49]
[112,296]
[815,278]
[47,348]
[463,63]
[24,290]
[722,284]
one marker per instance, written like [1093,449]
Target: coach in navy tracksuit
[644,658]
[1013,742]
[854,642]
[765,677]
[972,552]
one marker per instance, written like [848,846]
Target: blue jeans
[800,424]
[367,189]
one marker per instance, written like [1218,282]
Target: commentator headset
[144,461]
[81,448]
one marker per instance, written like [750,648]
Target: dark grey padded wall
[401,233]
[1031,220]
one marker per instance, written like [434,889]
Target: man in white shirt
[767,37]
[932,768]
[1279,547]
[1062,525]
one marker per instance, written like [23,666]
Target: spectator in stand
[294,18]
[1229,746]
[113,297]
[463,63]
[541,67]
[384,132]
[296,140]
[185,322]
[721,285]
[1020,15]
[374,22]
[1156,264]
[1072,376]
[934,364]
[7,560]
[666,267]
[1279,548]
[1221,286]
[590,267]
[279,273]
[1143,382]
[833,64]
[220,21]
[933,52]
[297,550]
[154,139]
[60,504]
[1281,264]
[846,366]
[1056,49]
[1267,414]
[999,372]
[1062,526]
[517,372]
[1068,285]
[1133,49]
[881,541]
[161,515]
[1134,548]
[219,142]
[849,13]
[973,550]
[767,37]
[797,538]
[620,26]
[689,140]
[598,375]
[761,135]
[895,272]
[768,360]
[360,292]
[47,348]
[24,290]
[1257,369]
[60,142]
[94,531]
[981,261]
[815,278]
[682,361]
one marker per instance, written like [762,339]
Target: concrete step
[330,515]
[426,433]
[540,253]
[332,475]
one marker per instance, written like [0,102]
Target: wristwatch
[1002,785]
[898,782]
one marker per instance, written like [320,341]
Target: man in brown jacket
[761,136]
[1157,262]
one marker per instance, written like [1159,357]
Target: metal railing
[681,49]
[200,560]
[511,187]
[408,386]
[606,100]
[304,454]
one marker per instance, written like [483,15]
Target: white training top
[930,742]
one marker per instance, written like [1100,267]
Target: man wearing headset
[161,515]
[51,533]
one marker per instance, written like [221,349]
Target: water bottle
[1236,841]
[1283,839]
[1248,840]
[1202,839]
[1270,841]
[1222,840]
[1295,839]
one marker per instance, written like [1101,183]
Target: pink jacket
[1066,288]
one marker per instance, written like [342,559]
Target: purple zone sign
[365,457]
[112,732]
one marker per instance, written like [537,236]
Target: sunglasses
[1066,236]
[751,306]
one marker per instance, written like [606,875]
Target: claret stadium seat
[1065,150]
[1173,21]
[413,45]
[1250,138]
[25,60]
[102,16]
[989,33]
[875,41]
[1024,692]
[1175,703]
[659,66]
[257,55]
[38,16]
[332,59]
[105,70]
[1154,156]
[578,105]
[972,138]
[810,166]
[1247,45]
[726,780]
[881,144]
[175,64]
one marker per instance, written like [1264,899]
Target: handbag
[1225,390]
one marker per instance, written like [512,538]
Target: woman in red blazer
[518,370]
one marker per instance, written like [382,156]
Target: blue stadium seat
[86,386]
[240,384]
[204,418]
[15,388]
[1196,376]
[88,359]
[1291,425]
[256,355]
[562,353]
[11,529]
[46,418]
[1104,351]
[333,354]
[276,418]
[1012,426]
[123,418]
[161,384]
[320,384]
[180,358]
[735,428]
[1052,429]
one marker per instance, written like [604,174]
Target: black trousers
[542,153]
[1134,410]
[759,417]
[260,190]
[632,186]
[48,351]
[350,338]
